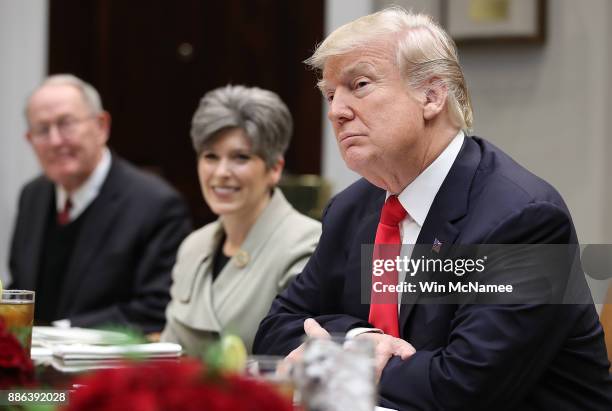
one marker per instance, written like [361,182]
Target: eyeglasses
[66,127]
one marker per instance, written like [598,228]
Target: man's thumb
[313,329]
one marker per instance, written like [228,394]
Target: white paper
[45,336]
[93,352]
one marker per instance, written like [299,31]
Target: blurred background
[546,102]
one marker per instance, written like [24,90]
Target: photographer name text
[435,287]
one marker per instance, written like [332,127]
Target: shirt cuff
[64,323]
[362,330]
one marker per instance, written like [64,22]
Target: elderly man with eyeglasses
[95,237]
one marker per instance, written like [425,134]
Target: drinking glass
[336,374]
[17,311]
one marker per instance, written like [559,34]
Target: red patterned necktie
[63,217]
[383,306]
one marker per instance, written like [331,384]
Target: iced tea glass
[17,312]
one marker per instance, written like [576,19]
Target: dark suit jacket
[472,356]
[119,272]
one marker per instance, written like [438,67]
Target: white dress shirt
[416,199]
[87,192]
[418,196]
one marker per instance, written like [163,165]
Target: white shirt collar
[418,196]
[88,191]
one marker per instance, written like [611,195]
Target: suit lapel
[98,223]
[365,239]
[447,209]
[235,271]
[192,290]
[38,217]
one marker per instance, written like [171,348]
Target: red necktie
[383,306]
[63,217]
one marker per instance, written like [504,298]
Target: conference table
[64,355]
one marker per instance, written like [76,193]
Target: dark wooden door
[153,60]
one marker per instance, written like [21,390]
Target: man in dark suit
[398,104]
[95,237]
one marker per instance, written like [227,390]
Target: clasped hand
[385,346]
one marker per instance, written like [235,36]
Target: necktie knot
[392,212]
[63,217]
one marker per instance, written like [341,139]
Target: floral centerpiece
[169,385]
[154,385]
[16,368]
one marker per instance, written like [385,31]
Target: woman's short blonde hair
[423,51]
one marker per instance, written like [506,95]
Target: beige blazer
[275,250]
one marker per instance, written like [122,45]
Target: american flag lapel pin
[437,244]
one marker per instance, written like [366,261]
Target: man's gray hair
[424,51]
[90,95]
[261,114]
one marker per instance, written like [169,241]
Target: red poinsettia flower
[16,368]
[168,386]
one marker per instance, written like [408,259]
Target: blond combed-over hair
[424,52]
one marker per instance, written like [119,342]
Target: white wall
[23,27]
[548,107]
